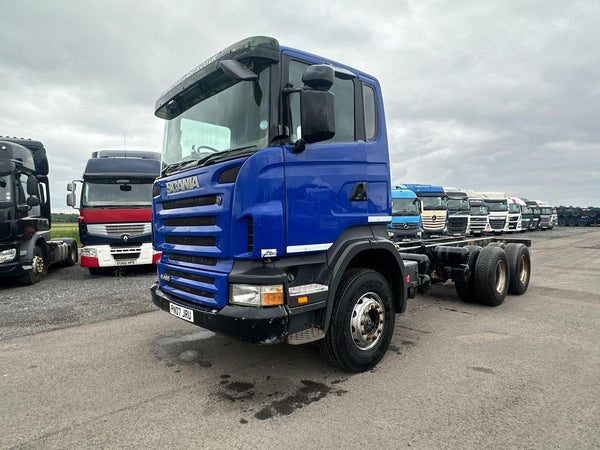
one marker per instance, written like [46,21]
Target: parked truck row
[449,211]
[575,216]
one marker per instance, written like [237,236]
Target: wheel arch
[376,254]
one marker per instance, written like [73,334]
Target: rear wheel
[362,321]
[466,289]
[38,268]
[491,275]
[519,268]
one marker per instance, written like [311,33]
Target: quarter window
[370,113]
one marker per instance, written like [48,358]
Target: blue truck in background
[272,208]
[406,214]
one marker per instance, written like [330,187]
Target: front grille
[120,256]
[478,223]
[405,226]
[457,224]
[191,202]
[190,276]
[430,224]
[203,241]
[497,224]
[120,252]
[201,260]
[202,221]
[118,229]
[189,290]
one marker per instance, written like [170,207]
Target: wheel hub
[37,264]
[501,276]
[367,320]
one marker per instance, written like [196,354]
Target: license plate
[181,312]
[125,262]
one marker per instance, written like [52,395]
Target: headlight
[256,295]
[8,255]
[89,252]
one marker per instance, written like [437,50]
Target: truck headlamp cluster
[255,295]
[8,255]
[89,252]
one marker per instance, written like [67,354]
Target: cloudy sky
[497,95]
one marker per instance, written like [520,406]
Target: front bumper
[112,256]
[248,324]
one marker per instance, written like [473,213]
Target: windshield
[479,210]
[514,208]
[116,195]
[405,207]
[458,204]
[526,210]
[547,211]
[497,205]
[234,118]
[536,211]
[434,203]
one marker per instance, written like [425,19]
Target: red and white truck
[115,209]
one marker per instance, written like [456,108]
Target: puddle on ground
[182,349]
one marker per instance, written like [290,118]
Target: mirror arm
[299,146]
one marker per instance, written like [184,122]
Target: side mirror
[71,199]
[71,187]
[33,201]
[317,114]
[32,186]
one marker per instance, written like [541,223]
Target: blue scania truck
[272,207]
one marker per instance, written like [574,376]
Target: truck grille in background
[430,224]
[119,252]
[405,226]
[117,229]
[457,224]
[478,223]
[190,202]
[512,223]
[497,224]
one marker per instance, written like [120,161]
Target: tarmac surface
[90,362]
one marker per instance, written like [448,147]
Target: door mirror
[33,201]
[71,199]
[32,186]
[71,187]
[317,115]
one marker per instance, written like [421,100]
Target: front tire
[362,321]
[38,268]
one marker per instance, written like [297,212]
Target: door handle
[359,192]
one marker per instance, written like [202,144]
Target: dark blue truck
[271,211]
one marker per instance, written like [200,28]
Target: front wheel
[38,268]
[362,322]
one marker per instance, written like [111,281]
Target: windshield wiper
[212,158]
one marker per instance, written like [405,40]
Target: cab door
[326,183]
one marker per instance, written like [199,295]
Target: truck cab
[26,250]
[458,211]
[546,222]
[536,214]
[435,208]
[406,214]
[497,203]
[115,209]
[479,220]
[515,215]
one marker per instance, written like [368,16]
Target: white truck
[497,203]
[515,214]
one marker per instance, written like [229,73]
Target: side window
[370,113]
[22,188]
[343,90]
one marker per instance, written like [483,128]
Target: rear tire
[519,268]
[362,321]
[73,255]
[491,276]
[466,289]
